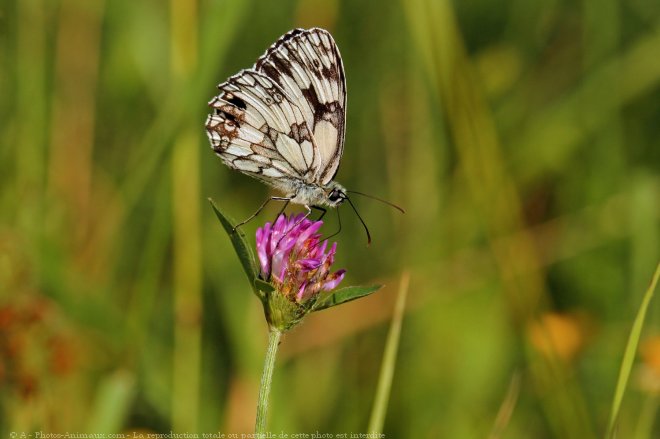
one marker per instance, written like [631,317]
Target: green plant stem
[388,364]
[266,379]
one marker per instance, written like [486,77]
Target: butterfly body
[331,195]
[282,121]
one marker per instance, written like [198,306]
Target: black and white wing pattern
[283,121]
[258,130]
[308,66]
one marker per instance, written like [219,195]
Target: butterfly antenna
[366,229]
[378,199]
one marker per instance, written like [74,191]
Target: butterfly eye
[334,196]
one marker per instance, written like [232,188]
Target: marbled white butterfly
[283,120]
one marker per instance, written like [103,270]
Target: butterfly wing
[258,129]
[307,66]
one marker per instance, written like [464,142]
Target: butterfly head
[335,194]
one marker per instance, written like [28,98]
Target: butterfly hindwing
[258,129]
[307,66]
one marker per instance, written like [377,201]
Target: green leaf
[343,295]
[243,251]
[263,286]
[629,355]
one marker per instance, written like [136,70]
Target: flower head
[294,260]
[293,277]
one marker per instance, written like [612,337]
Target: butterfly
[283,120]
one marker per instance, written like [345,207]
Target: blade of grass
[186,224]
[31,41]
[186,282]
[113,401]
[506,409]
[629,354]
[389,360]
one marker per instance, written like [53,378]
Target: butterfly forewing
[307,65]
[283,121]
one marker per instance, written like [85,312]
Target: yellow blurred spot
[558,335]
[650,352]
[648,372]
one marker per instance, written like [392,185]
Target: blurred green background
[522,138]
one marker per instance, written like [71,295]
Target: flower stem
[266,378]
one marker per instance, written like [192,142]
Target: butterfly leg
[338,222]
[309,212]
[286,203]
[268,200]
[323,212]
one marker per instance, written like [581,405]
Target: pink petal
[308,264]
[333,280]
[263,238]
[280,263]
[301,291]
[309,231]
